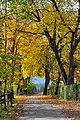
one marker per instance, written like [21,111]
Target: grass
[7,114]
[12,113]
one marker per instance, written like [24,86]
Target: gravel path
[36,110]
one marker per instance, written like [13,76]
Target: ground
[34,109]
[71,109]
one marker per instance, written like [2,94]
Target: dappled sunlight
[40,59]
[35,108]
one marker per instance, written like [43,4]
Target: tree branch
[57,9]
[30,32]
[77,41]
[61,38]
[78,20]
[62,46]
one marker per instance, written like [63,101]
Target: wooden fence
[5,100]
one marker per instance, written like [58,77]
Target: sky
[38,80]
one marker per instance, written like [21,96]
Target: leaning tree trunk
[52,43]
[47,80]
[61,67]
[75,39]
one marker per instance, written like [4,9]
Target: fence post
[11,97]
[4,101]
[76,91]
[1,100]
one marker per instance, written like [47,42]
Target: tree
[75,39]
[70,31]
[42,27]
[52,27]
[37,60]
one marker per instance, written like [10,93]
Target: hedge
[67,92]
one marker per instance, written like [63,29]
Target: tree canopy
[39,38]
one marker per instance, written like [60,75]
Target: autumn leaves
[45,40]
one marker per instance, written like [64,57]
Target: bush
[69,92]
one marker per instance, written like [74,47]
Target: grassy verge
[7,114]
[13,113]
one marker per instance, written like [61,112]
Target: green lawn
[7,114]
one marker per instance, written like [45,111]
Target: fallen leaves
[71,109]
[19,104]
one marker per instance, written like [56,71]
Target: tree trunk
[52,43]
[47,80]
[61,68]
[18,89]
[72,67]
[13,68]
[5,37]
[57,85]
[26,81]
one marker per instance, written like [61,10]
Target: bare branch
[30,32]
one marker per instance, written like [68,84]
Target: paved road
[36,110]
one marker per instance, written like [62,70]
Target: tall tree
[70,31]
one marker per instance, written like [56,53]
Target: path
[36,110]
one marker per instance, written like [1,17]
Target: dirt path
[36,110]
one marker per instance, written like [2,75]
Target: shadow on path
[36,110]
